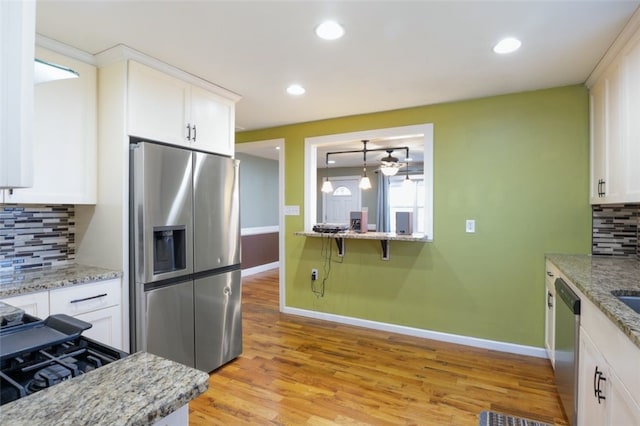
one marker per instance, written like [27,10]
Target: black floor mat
[491,418]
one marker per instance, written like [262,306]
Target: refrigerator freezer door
[162,202]
[216,212]
[169,322]
[218,317]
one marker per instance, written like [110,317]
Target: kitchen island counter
[597,277]
[24,281]
[137,390]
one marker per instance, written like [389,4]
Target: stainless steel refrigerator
[185,279]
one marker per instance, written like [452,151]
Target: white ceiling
[395,54]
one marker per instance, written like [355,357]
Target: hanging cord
[327,254]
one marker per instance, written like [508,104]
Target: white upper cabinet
[213,117]
[166,109]
[157,105]
[65,137]
[17,38]
[615,129]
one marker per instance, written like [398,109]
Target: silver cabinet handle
[88,298]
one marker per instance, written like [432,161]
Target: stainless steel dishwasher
[567,334]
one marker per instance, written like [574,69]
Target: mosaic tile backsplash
[36,235]
[616,228]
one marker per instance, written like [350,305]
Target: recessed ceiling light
[329,30]
[331,161]
[277,148]
[507,45]
[295,89]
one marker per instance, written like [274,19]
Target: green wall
[518,164]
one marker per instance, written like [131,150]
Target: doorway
[272,150]
[346,198]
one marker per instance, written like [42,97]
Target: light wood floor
[297,371]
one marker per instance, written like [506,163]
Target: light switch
[292,210]
[470,226]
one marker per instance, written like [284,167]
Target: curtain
[382,218]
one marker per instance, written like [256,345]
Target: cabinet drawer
[85,298]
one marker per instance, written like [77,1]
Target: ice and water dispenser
[169,249]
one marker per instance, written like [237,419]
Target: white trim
[65,49]
[122,52]
[425,334]
[311,176]
[256,230]
[260,268]
[629,33]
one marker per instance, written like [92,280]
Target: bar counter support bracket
[340,244]
[385,249]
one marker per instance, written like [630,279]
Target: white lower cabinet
[36,304]
[107,326]
[98,303]
[603,399]
[593,384]
[551,274]
[608,362]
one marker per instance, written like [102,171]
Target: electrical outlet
[470,226]
[314,274]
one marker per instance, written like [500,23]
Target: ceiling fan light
[389,170]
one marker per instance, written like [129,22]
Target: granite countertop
[15,283]
[597,277]
[389,236]
[137,390]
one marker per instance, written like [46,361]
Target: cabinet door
[614,135]
[157,105]
[550,320]
[598,142]
[17,36]
[106,326]
[65,137]
[631,66]
[36,304]
[623,409]
[593,376]
[213,118]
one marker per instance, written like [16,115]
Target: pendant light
[365,183]
[327,187]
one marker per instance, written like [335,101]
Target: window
[407,197]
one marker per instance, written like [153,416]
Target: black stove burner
[32,371]
[49,376]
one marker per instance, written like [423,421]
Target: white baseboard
[260,268]
[426,334]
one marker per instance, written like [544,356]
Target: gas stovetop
[36,354]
